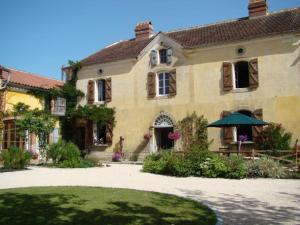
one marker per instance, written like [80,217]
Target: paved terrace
[248,201]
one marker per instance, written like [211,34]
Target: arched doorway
[163,125]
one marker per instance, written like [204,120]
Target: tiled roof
[283,22]
[30,80]
[239,30]
[119,51]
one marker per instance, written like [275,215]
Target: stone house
[250,65]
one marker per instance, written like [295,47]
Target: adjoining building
[17,87]
[249,65]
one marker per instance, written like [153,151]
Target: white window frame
[96,91]
[164,85]
[234,78]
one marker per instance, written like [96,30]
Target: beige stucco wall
[199,88]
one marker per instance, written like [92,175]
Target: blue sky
[40,36]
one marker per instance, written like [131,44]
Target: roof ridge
[33,74]
[230,21]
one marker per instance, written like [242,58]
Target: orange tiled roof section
[30,80]
[283,22]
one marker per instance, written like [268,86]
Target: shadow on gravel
[3,170]
[237,209]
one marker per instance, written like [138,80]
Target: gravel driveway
[248,201]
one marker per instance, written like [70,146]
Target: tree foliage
[275,137]
[35,121]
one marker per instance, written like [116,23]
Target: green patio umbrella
[237,119]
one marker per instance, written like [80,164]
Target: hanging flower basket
[174,135]
[147,136]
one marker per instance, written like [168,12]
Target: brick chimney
[144,30]
[257,8]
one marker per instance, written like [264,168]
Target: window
[241,74]
[244,130]
[163,56]
[100,90]
[58,106]
[100,134]
[11,135]
[163,83]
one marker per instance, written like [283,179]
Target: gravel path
[248,201]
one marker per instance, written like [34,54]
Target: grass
[98,206]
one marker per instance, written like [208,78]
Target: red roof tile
[287,21]
[119,51]
[31,80]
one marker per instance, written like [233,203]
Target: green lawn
[98,206]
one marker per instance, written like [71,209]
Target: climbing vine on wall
[194,131]
[68,91]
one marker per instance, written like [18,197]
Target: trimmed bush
[265,167]
[64,154]
[216,166]
[15,158]
[197,155]
[236,167]
[167,163]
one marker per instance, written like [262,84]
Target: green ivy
[68,91]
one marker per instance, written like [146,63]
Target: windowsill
[162,96]
[99,102]
[240,90]
[245,142]
[101,145]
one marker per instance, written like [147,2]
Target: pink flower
[147,136]
[174,136]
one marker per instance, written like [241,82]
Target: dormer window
[163,56]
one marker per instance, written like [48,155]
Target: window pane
[161,76]
[167,90]
[167,82]
[163,55]
[101,90]
[101,133]
[161,83]
[167,76]
[241,74]
[161,91]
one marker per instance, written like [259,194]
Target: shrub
[54,151]
[215,166]
[86,163]
[197,155]
[168,163]
[265,167]
[64,154]
[274,137]
[15,158]
[236,167]
[70,152]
